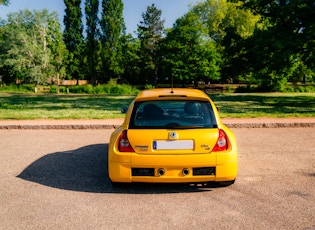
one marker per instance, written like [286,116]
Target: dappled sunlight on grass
[62,107]
[49,106]
[266,105]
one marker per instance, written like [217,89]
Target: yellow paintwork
[120,164]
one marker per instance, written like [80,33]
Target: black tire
[119,184]
[225,183]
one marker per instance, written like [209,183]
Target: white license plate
[173,144]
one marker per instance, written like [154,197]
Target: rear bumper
[224,167]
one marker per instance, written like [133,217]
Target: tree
[112,28]
[287,37]
[131,60]
[58,49]
[228,24]
[25,46]
[73,37]
[150,33]
[92,39]
[212,13]
[218,15]
[189,55]
[4,2]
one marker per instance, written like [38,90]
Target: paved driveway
[56,179]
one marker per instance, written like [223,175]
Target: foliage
[29,47]
[227,24]
[93,46]
[112,28]
[108,89]
[104,89]
[188,53]
[4,2]
[58,50]
[73,38]
[285,41]
[294,23]
[219,15]
[264,42]
[131,60]
[13,88]
[150,33]
[148,86]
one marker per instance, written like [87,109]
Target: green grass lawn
[51,106]
[266,105]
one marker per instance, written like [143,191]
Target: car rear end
[172,137]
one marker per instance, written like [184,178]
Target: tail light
[124,145]
[222,143]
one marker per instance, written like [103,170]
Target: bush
[115,89]
[81,89]
[305,89]
[17,88]
[123,90]
[246,89]
[289,89]
[53,89]
[112,88]
[148,86]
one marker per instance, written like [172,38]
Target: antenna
[172,91]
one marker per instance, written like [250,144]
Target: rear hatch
[173,141]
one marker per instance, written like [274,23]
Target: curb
[97,126]
[271,125]
[48,127]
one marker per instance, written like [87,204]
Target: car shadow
[85,170]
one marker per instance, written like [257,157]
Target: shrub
[246,89]
[289,89]
[148,86]
[123,90]
[305,89]
[53,89]
[115,89]
[17,88]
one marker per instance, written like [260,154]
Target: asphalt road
[56,179]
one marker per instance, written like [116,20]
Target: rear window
[172,114]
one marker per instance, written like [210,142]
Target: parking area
[54,179]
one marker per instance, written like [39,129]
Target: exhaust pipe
[185,171]
[161,172]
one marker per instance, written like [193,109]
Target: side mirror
[124,110]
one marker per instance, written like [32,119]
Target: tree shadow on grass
[264,104]
[62,102]
[85,170]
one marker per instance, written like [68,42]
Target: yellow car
[172,136]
